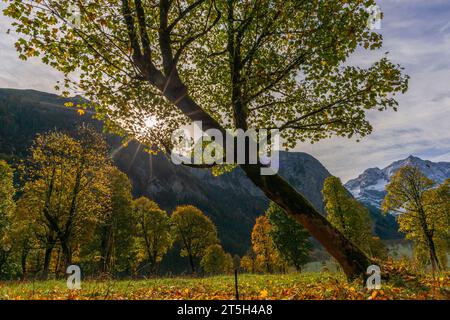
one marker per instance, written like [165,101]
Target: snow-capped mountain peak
[369,187]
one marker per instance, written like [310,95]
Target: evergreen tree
[290,238]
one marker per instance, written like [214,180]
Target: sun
[150,122]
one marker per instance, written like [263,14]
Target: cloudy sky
[417,35]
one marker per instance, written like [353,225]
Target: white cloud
[15,73]
[417,35]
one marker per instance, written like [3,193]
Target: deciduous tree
[31,234]
[266,255]
[194,230]
[153,230]
[7,205]
[230,64]
[350,217]
[214,260]
[422,211]
[248,263]
[65,184]
[117,225]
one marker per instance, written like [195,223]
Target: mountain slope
[231,200]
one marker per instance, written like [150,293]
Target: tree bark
[47,259]
[23,261]
[191,262]
[67,253]
[106,249]
[433,256]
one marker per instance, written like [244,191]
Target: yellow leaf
[263,294]
[374,294]
[68,104]
[81,112]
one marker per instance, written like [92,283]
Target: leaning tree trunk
[353,261]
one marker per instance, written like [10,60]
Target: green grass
[250,286]
[290,286]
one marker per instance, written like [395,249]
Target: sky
[416,34]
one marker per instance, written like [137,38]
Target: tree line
[76,207]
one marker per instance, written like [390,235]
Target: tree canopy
[258,64]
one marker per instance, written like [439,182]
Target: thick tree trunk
[353,261]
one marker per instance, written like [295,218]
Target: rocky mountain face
[231,200]
[370,186]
